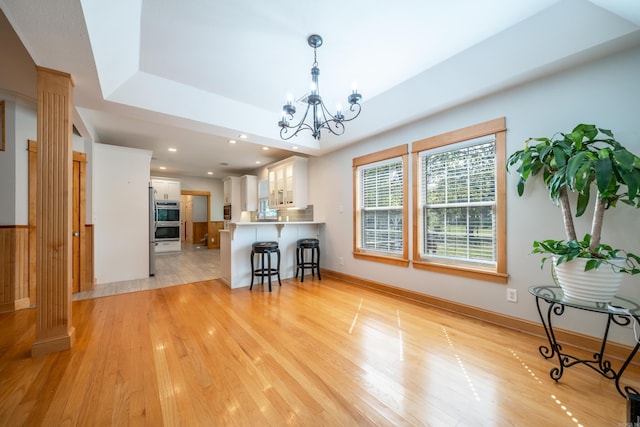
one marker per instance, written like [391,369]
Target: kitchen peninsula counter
[235,247]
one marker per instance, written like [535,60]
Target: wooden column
[54,329]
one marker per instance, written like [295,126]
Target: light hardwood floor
[318,353]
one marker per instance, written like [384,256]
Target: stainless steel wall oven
[168,211]
[167,232]
[167,220]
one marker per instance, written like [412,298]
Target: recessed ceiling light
[242,136]
[258,162]
[265,148]
[162,168]
[173,150]
[295,147]
[209,173]
[232,141]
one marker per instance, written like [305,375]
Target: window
[380,197]
[459,207]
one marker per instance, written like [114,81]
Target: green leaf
[520,187]
[543,139]
[604,171]
[555,184]
[572,167]
[590,131]
[633,183]
[583,177]
[560,157]
[544,152]
[607,132]
[583,202]
[624,159]
[525,167]
[591,265]
[536,167]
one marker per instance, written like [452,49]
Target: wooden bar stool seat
[258,267]
[312,245]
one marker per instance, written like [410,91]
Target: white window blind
[458,202]
[381,203]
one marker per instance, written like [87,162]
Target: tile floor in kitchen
[194,263]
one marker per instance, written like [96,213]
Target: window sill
[472,273]
[402,262]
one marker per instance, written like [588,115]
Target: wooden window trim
[389,153]
[498,128]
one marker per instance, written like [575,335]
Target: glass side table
[621,311]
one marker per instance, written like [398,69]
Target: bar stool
[265,249]
[314,263]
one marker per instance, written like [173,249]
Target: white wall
[121,213]
[26,129]
[20,127]
[605,93]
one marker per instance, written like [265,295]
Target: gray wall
[605,93]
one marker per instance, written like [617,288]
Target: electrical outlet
[341,261]
[512,295]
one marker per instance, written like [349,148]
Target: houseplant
[587,159]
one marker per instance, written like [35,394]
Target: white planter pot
[599,285]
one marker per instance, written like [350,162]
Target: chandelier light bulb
[320,117]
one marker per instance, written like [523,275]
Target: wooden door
[77,228]
[79,262]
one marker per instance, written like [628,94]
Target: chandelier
[320,117]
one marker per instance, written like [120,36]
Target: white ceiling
[155,74]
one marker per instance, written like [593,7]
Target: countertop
[276,223]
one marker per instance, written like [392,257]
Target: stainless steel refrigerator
[152,232]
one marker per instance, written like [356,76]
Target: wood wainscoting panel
[199,232]
[214,231]
[14,267]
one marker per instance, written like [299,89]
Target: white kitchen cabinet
[230,185]
[288,183]
[249,193]
[166,189]
[241,193]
